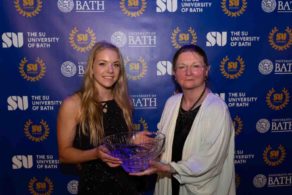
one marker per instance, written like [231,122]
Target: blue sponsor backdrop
[44,48]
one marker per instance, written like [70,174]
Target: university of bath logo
[37,187]
[65,5]
[72,186]
[119,38]
[141,126]
[82,41]
[32,71]
[234,8]
[136,69]
[36,132]
[133,8]
[280,40]
[266,67]
[259,181]
[28,8]
[274,157]
[263,125]
[232,69]
[179,38]
[238,125]
[68,69]
[277,100]
[269,5]
[144,101]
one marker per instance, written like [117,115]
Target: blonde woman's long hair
[91,116]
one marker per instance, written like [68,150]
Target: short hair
[190,48]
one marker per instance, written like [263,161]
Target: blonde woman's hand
[142,138]
[103,154]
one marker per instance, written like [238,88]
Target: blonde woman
[101,107]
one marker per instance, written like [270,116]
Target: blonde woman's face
[106,69]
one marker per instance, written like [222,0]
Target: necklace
[104,105]
[196,102]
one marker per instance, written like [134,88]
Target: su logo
[20,161]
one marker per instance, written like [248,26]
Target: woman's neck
[193,98]
[105,96]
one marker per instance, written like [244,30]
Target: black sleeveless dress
[96,177]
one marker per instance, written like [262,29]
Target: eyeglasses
[193,67]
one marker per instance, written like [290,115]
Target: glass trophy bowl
[135,148]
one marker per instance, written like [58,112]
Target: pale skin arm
[66,131]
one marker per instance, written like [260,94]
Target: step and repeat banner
[44,48]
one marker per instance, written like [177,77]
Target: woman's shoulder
[72,102]
[174,98]
[214,100]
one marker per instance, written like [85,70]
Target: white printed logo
[269,5]
[163,5]
[19,102]
[219,38]
[259,181]
[263,125]
[65,6]
[266,66]
[72,187]
[68,69]
[164,67]
[20,161]
[12,39]
[119,39]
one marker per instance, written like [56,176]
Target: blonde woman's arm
[66,130]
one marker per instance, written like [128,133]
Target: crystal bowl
[135,148]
